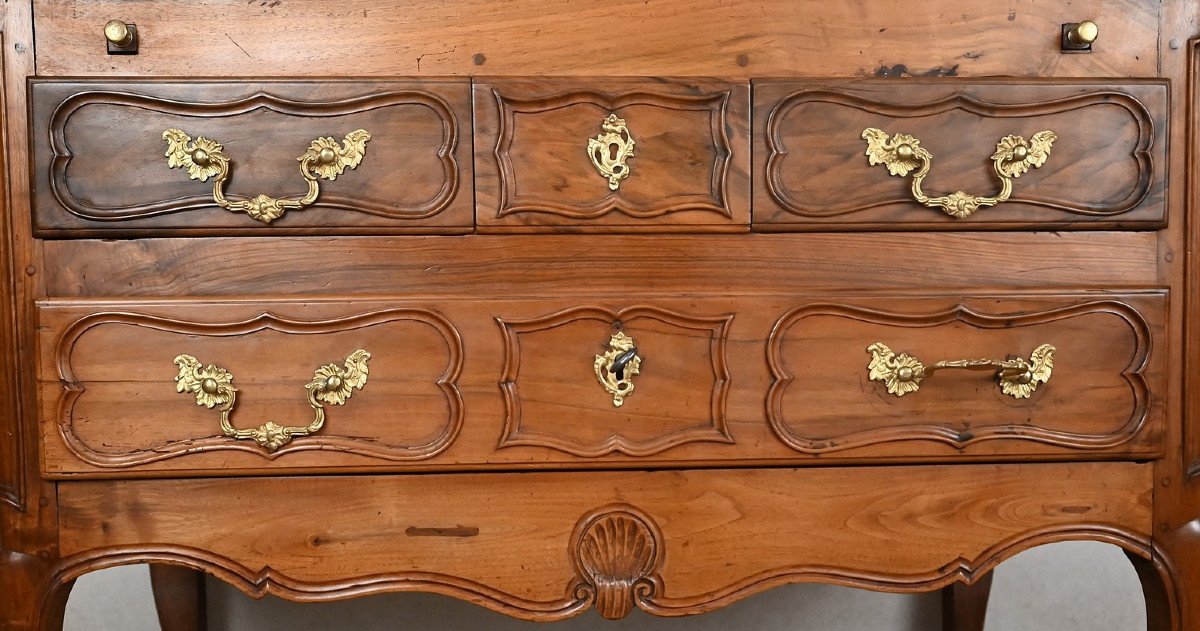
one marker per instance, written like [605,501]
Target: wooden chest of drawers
[551,307]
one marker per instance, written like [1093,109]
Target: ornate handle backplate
[616,368]
[1018,376]
[203,158]
[902,153]
[610,150]
[213,386]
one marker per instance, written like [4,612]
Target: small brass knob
[200,157]
[1083,34]
[1020,152]
[326,156]
[905,151]
[118,33]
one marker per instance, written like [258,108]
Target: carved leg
[179,598]
[964,607]
[1156,592]
[31,601]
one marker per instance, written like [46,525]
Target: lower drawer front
[546,545]
[208,388]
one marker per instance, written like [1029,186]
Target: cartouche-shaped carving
[616,552]
[616,368]
[610,150]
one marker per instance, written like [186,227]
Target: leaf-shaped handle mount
[204,158]
[902,154]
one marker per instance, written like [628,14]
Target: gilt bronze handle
[204,158]
[902,153]
[213,387]
[1018,377]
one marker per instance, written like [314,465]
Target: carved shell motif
[617,552]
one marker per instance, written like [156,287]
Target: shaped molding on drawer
[1106,165]
[546,151]
[111,402]
[553,397]
[1103,386]
[100,165]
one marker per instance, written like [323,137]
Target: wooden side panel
[545,546]
[100,166]
[1107,167]
[689,163]
[622,38]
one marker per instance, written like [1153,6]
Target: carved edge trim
[258,584]
[61,154]
[1137,110]
[961,570]
[717,202]
[447,383]
[1133,375]
[514,436]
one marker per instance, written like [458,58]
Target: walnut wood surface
[624,265]
[100,168]
[464,384]
[722,535]
[1107,169]
[620,38]
[691,163]
[685,538]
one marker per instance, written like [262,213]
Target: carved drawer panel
[562,391]
[119,158]
[612,154]
[946,154]
[243,386]
[1080,374]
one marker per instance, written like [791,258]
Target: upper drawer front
[613,154]
[1101,166]
[101,157]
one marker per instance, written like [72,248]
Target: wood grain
[808,148]
[691,163]
[98,155]
[727,534]
[709,390]
[527,265]
[560,37]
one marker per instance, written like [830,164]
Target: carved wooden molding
[616,551]
[62,155]
[72,389]
[1137,110]
[636,581]
[516,435]
[715,200]
[1133,375]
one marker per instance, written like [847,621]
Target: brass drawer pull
[902,153]
[1018,377]
[610,150]
[213,386]
[203,158]
[616,368]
